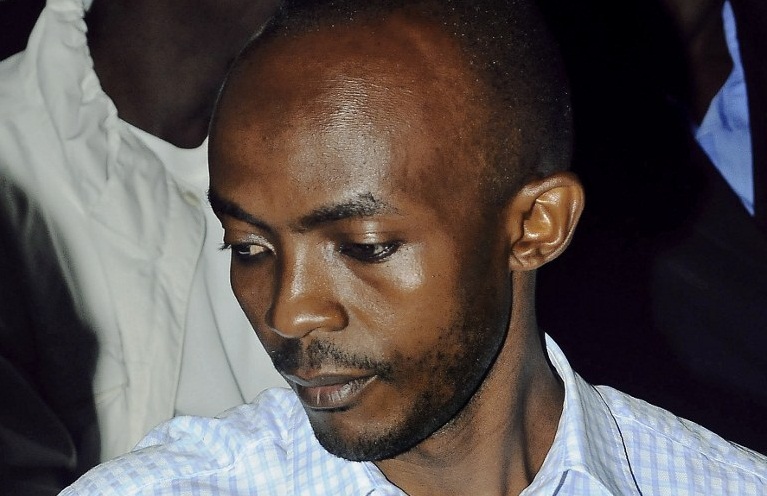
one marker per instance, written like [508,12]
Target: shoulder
[272,416]
[247,448]
[680,456]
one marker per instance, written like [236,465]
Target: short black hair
[528,131]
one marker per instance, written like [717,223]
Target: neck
[162,62]
[699,23]
[498,442]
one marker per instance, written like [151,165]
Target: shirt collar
[588,440]
[725,132]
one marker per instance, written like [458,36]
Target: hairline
[500,180]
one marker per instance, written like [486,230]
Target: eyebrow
[361,206]
[223,207]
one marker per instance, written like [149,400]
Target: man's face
[346,178]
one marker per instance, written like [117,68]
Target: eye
[247,252]
[370,252]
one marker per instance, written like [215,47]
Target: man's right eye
[248,252]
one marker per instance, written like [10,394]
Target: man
[103,125]
[389,176]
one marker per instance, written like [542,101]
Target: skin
[398,306]
[163,61]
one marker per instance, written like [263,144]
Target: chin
[366,448]
[376,440]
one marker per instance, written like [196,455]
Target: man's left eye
[370,252]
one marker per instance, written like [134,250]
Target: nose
[304,298]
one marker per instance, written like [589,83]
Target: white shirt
[607,443]
[135,235]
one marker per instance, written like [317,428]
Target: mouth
[329,392]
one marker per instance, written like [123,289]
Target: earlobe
[541,219]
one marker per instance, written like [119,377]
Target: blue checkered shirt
[606,443]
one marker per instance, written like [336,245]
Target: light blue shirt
[725,134]
[607,443]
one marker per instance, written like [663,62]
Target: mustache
[292,356]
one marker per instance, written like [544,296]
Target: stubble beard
[449,391]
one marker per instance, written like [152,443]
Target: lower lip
[334,396]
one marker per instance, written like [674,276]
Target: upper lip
[318,380]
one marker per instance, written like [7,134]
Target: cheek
[407,301]
[457,314]
[251,287]
[407,274]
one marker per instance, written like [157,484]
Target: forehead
[404,51]
[350,107]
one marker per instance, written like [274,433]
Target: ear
[541,219]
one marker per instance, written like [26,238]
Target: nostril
[297,317]
[303,299]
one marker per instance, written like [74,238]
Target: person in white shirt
[103,124]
